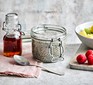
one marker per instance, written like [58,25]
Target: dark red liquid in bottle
[12,45]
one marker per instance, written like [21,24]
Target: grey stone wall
[67,13]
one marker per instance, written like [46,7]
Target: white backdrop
[67,13]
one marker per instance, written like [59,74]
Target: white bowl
[87,41]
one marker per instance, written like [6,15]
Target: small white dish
[87,41]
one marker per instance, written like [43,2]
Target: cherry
[89,52]
[81,59]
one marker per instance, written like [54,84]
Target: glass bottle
[12,39]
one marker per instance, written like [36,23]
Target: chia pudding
[48,42]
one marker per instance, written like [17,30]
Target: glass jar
[48,42]
[12,39]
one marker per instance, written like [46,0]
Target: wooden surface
[73,63]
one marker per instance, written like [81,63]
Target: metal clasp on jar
[60,57]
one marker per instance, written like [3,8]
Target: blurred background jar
[12,42]
[48,42]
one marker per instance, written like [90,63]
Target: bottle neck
[12,27]
[13,34]
[11,22]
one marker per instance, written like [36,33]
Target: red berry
[81,59]
[89,52]
[90,59]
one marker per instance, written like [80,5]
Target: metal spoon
[23,61]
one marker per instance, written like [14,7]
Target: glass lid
[48,32]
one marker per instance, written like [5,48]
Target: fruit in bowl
[85,33]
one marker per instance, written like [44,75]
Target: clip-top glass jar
[12,39]
[48,42]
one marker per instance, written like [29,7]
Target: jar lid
[48,32]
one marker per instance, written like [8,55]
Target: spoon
[24,62]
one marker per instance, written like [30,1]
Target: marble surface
[71,77]
[67,13]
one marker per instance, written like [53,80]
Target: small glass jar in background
[48,42]
[12,42]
